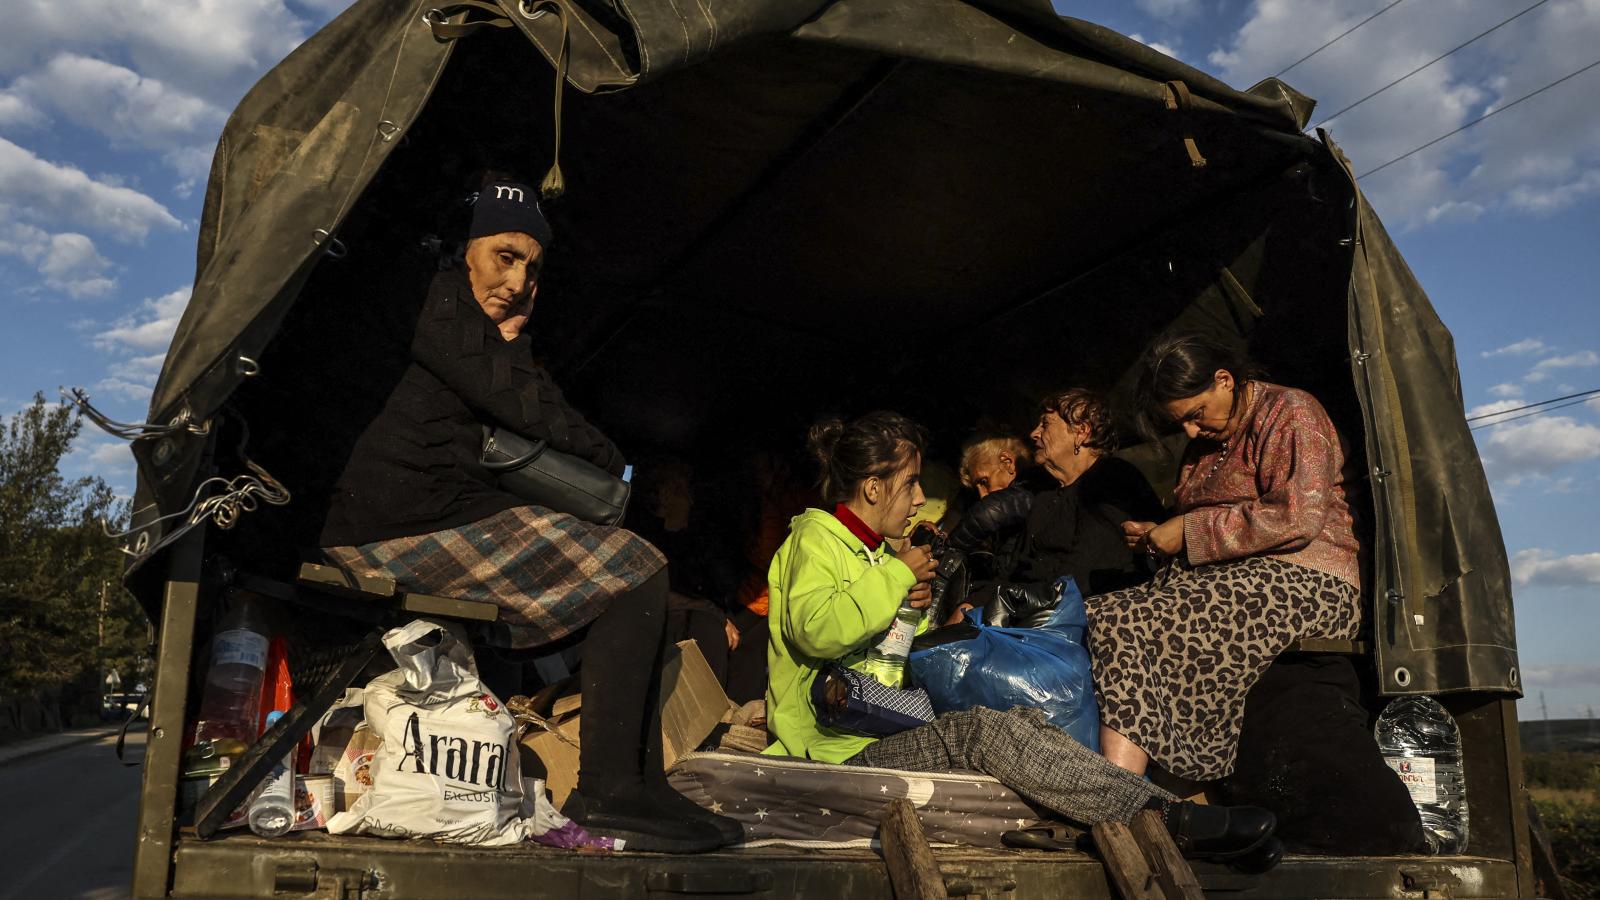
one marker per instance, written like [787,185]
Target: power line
[1551,405]
[1340,37]
[1493,112]
[1430,62]
[1537,412]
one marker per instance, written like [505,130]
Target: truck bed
[317,864]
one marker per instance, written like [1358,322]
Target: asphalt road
[69,827]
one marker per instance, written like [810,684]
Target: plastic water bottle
[886,661]
[230,703]
[1422,744]
[272,810]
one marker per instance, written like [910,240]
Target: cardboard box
[692,703]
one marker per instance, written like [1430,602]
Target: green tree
[63,612]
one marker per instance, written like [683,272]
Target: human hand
[1133,534]
[733,634]
[1166,538]
[958,614]
[517,317]
[920,595]
[921,562]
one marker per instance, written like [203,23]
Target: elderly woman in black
[1076,527]
[413,503]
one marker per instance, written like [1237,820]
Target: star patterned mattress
[797,802]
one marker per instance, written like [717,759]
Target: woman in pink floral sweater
[1261,553]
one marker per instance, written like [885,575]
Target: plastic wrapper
[1045,668]
[446,766]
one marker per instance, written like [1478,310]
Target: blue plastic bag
[1044,668]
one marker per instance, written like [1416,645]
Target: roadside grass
[1566,791]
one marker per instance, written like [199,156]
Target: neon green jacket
[830,599]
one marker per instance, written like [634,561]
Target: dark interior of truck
[794,230]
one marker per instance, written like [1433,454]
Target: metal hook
[332,246]
[531,14]
[387,130]
[246,367]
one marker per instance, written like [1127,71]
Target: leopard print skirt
[1173,659]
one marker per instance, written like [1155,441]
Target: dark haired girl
[835,587]
[1262,554]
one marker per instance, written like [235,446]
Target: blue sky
[109,113]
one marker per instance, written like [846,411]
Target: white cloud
[17,112]
[1539,566]
[132,379]
[1169,10]
[1489,409]
[68,262]
[1560,676]
[1519,348]
[205,48]
[1537,445]
[125,107]
[1454,211]
[1581,360]
[49,192]
[151,327]
[1157,46]
[1536,159]
[1506,389]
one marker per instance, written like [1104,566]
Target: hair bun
[823,438]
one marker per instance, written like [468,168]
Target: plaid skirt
[550,573]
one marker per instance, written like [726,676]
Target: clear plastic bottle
[886,661]
[230,704]
[272,810]
[1421,743]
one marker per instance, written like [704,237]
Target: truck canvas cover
[792,162]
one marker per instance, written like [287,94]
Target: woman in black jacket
[1076,527]
[413,503]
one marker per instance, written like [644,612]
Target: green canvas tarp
[972,161]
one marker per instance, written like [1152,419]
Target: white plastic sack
[446,766]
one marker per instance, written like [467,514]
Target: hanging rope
[223,501]
[554,183]
[132,431]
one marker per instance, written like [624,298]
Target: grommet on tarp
[1402,676]
[1179,101]
[331,246]
[438,19]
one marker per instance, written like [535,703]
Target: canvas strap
[1179,101]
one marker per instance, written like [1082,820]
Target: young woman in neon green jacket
[835,586]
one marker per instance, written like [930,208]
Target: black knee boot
[620,653]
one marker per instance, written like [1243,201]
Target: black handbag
[554,480]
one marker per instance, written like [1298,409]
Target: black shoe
[1217,832]
[1262,859]
[640,824]
[676,806]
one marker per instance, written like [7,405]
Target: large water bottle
[886,661]
[1422,744]
[230,703]
[272,810]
